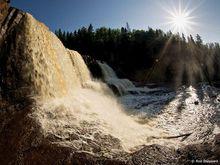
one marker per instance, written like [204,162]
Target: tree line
[148,55]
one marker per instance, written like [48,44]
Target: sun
[180,22]
[181,19]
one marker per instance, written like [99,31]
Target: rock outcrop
[38,121]
[4,6]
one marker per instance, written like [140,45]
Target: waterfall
[107,71]
[111,78]
[51,107]
[81,70]
[68,99]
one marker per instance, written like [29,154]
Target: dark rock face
[154,154]
[200,152]
[93,67]
[8,76]
[4,6]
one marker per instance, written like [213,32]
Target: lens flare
[180,18]
[180,21]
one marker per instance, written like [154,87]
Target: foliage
[173,57]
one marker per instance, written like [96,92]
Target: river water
[190,111]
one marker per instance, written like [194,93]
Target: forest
[148,55]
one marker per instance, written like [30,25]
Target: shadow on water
[200,93]
[150,105]
[182,100]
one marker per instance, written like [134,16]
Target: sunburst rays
[181,17]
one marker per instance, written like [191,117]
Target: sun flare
[180,20]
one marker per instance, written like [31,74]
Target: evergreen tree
[130,52]
[199,41]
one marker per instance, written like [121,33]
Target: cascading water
[111,78]
[69,101]
[71,113]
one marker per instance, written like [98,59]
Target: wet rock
[114,89]
[216,146]
[93,67]
[196,102]
[7,37]
[154,154]
[4,6]
[208,151]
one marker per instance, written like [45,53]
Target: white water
[188,110]
[70,101]
[93,103]
[111,78]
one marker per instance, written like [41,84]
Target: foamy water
[69,97]
[111,78]
[72,103]
[102,112]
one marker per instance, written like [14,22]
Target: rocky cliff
[53,112]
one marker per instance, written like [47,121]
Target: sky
[71,15]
